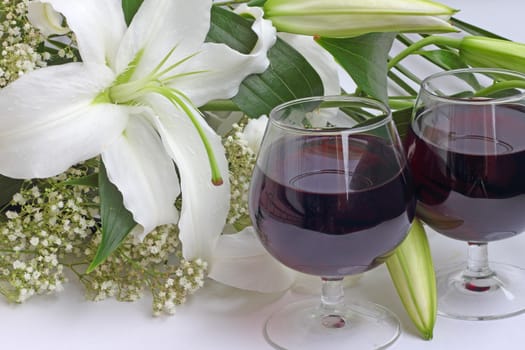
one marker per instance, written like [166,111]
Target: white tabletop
[220,317]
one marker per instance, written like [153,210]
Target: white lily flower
[46,19]
[240,259]
[132,100]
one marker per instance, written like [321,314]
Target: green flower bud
[346,18]
[480,51]
[412,273]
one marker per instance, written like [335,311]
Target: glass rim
[482,70]
[364,101]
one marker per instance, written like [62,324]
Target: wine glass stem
[332,295]
[478,261]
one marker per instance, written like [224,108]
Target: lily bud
[480,51]
[347,18]
[44,17]
[412,272]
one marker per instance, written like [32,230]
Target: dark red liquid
[321,215]
[468,164]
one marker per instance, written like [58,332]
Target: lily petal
[241,261]
[254,131]
[323,63]
[145,175]
[45,18]
[49,122]
[98,25]
[222,69]
[204,206]
[160,26]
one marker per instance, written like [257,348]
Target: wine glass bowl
[331,195]
[467,154]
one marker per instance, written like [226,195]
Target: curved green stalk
[220,105]
[418,45]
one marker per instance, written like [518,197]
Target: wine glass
[331,195]
[466,149]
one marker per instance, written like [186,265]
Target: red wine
[469,171]
[331,206]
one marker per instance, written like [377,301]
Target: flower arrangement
[127,143]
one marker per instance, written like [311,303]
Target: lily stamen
[178,99]
[128,91]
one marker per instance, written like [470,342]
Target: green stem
[72,268]
[401,83]
[220,105]
[396,103]
[405,40]
[4,208]
[407,73]
[231,2]
[12,251]
[137,266]
[430,40]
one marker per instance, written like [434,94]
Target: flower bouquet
[130,129]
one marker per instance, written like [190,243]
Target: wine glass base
[500,295]
[303,325]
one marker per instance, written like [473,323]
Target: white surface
[220,317]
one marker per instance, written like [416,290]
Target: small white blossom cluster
[241,159]
[19,42]
[24,48]
[155,264]
[187,278]
[51,227]
[44,223]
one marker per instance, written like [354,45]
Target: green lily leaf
[445,59]
[88,180]
[117,221]
[130,7]
[231,29]
[402,119]
[289,76]
[8,187]
[365,59]
[448,60]
[473,30]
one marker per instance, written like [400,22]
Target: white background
[220,317]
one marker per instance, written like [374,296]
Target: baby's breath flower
[52,226]
[23,47]
[19,42]
[241,160]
